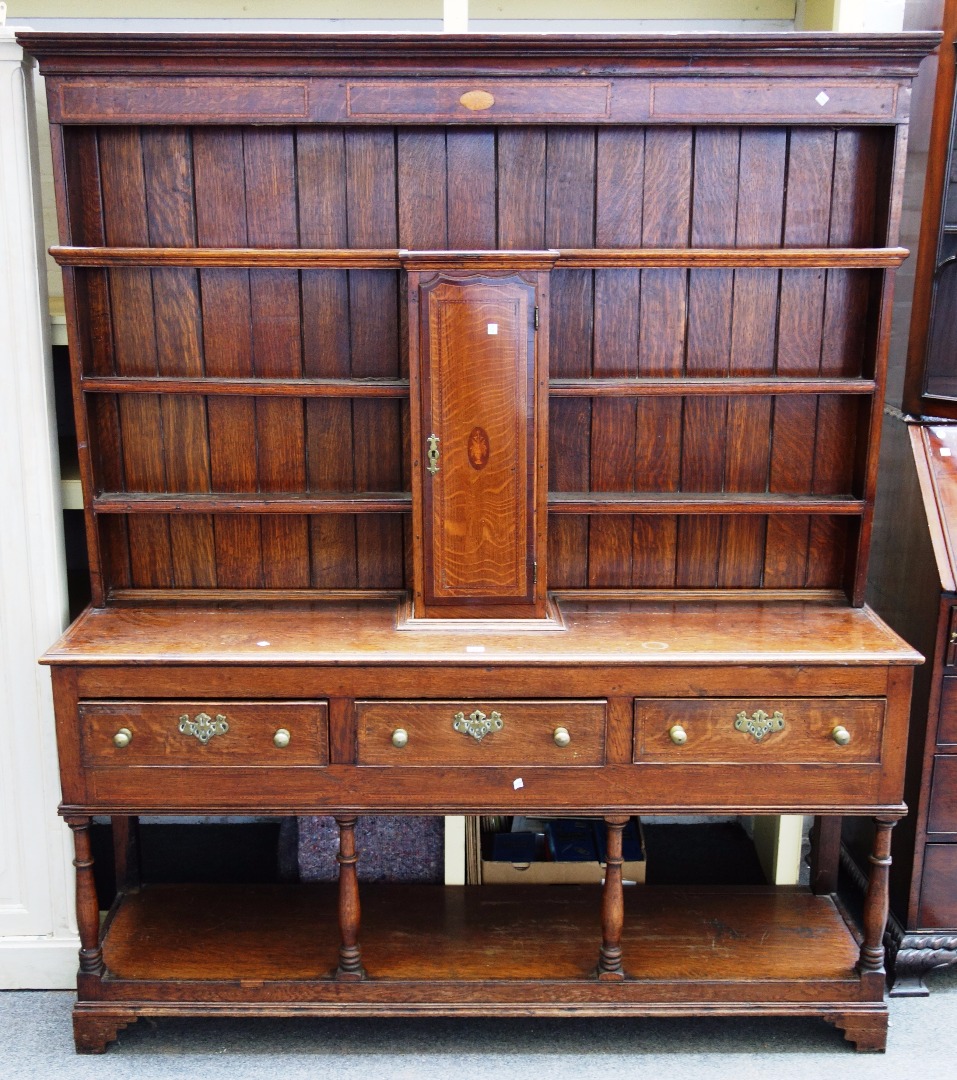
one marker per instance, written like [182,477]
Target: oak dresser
[479,425]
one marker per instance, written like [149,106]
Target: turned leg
[87,908]
[876,901]
[350,954]
[612,903]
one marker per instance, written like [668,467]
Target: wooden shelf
[653,502]
[641,386]
[399,502]
[360,502]
[624,258]
[635,386]
[675,939]
[251,387]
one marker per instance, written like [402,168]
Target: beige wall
[399,9]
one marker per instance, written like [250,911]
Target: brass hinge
[536,318]
[534,573]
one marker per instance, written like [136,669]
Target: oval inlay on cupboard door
[478,448]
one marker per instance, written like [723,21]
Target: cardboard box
[560,873]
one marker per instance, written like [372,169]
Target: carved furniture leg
[612,903]
[876,902]
[350,955]
[825,854]
[94,1031]
[866,1030]
[87,908]
[916,954]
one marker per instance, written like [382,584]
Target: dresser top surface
[646,632]
[935,447]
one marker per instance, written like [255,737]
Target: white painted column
[870,16]
[455,16]
[38,939]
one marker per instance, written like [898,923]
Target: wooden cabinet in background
[913,586]
[480,425]
[912,574]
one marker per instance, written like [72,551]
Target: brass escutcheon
[759,723]
[477,724]
[433,454]
[204,727]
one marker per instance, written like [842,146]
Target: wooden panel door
[479,462]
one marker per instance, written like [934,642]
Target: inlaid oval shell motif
[478,448]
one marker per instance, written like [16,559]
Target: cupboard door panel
[478,440]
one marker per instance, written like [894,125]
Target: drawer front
[942,817]
[947,728]
[780,730]
[950,648]
[477,733]
[207,733]
[938,897]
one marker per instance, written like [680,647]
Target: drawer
[942,817]
[938,897]
[947,727]
[950,648]
[480,733]
[219,733]
[741,730]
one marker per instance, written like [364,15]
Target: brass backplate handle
[433,454]
[477,724]
[204,727]
[759,723]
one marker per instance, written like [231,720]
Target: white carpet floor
[36,1043]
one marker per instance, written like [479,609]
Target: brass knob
[281,738]
[399,738]
[841,735]
[561,736]
[678,735]
[123,737]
